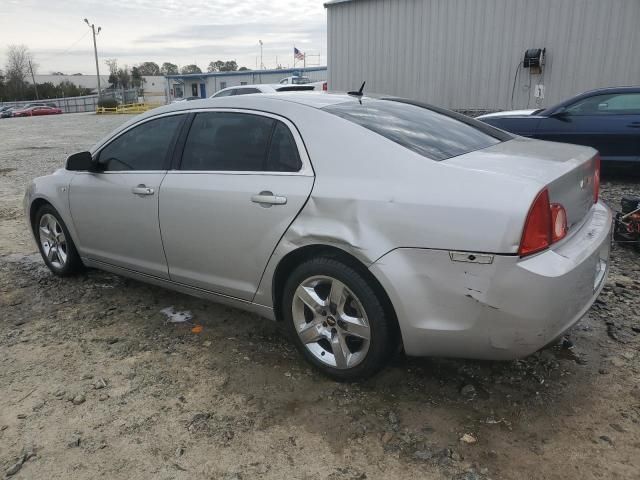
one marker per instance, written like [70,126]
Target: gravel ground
[95,383]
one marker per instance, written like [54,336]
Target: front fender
[53,189]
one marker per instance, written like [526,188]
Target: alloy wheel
[331,322]
[53,241]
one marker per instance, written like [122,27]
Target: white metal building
[206,84]
[468,54]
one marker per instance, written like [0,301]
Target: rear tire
[336,320]
[54,242]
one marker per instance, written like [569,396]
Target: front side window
[145,147]
[428,131]
[224,141]
[608,104]
[300,80]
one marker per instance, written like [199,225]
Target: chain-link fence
[87,103]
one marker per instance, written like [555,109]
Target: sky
[180,32]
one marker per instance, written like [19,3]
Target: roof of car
[267,102]
[265,86]
[307,98]
[623,89]
[253,85]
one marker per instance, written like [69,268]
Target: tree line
[167,68]
[122,77]
[16,80]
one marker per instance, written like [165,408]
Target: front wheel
[336,319]
[56,246]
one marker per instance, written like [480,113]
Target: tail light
[559,226]
[596,178]
[546,224]
[324,87]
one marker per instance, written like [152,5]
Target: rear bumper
[507,309]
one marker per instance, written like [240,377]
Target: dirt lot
[94,383]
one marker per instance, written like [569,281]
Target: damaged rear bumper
[505,309]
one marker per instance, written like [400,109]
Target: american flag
[298,55]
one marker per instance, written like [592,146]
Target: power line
[68,48]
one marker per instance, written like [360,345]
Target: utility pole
[95,51]
[35,85]
[261,64]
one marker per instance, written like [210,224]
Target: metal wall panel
[463,54]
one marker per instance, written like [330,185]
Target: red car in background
[33,111]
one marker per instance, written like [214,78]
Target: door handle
[266,199]
[142,190]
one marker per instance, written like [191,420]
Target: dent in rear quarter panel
[372,196]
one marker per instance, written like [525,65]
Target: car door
[556,128]
[115,210]
[610,123]
[242,180]
[524,125]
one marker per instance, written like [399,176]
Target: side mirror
[80,162]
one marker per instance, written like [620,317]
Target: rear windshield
[432,132]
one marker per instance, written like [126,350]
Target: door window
[225,93]
[239,142]
[145,147]
[608,104]
[283,152]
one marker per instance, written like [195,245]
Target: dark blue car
[607,119]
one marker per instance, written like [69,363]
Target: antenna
[359,93]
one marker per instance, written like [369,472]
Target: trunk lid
[568,171]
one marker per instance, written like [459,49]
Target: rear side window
[428,131]
[222,141]
[225,93]
[144,147]
[283,152]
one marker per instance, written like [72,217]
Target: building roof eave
[284,71]
[330,3]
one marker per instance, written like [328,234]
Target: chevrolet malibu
[361,224]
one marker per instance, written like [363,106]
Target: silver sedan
[361,224]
